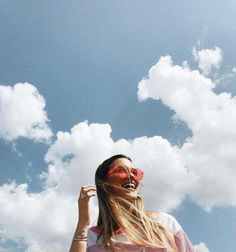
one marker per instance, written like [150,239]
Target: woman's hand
[86,192]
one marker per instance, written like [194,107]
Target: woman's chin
[130,195]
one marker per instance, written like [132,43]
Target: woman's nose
[131,174]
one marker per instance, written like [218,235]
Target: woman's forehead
[122,161]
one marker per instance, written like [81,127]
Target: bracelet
[79,238]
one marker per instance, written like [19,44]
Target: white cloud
[22,113]
[201,247]
[75,156]
[210,152]
[44,220]
[208,59]
[6,249]
[225,78]
[47,220]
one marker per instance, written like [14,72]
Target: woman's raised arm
[79,242]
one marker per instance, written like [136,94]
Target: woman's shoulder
[165,219]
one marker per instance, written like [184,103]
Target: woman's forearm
[79,242]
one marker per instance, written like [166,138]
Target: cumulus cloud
[201,247]
[74,156]
[22,113]
[43,221]
[208,59]
[209,153]
[47,219]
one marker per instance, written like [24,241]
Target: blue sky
[84,62]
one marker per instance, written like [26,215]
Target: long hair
[117,212]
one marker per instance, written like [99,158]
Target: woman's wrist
[80,237]
[81,232]
[82,225]
[81,229]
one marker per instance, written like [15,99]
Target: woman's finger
[87,191]
[89,185]
[87,188]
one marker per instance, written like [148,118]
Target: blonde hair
[116,212]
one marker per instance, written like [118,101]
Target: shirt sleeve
[182,242]
[181,239]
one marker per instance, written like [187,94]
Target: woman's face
[125,178]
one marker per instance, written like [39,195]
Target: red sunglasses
[122,172]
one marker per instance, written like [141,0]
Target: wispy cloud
[208,59]
[201,247]
[6,249]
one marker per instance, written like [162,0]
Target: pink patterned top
[122,243]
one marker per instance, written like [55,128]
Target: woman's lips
[129,185]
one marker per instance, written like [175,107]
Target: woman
[123,224]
